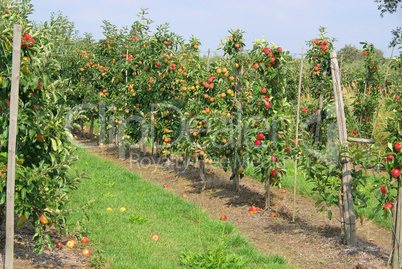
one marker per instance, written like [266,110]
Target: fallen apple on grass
[223,217]
[155,237]
[85,240]
[123,209]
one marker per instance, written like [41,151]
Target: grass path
[187,235]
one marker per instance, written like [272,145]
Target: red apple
[273,158]
[260,136]
[59,245]
[223,217]
[165,185]
[388,206]
[397,97]
[366,53]
[398,146]
[264,90]
[155,237]
[354,132]
[367,118]
[86,252]
[268,105]
[316,41]
[257,142]
[287,149]
[395,173]
[383,190]
[84,240]
[280,49]
[44,220]
[255,65]
[304,110]
[390,157]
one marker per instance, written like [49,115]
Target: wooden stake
[297,135]
[12,141]
[350,218]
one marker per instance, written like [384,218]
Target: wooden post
[349,211]
[12,141]
[395,259]
[297,134]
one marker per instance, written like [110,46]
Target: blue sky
[287,23]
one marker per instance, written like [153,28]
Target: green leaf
[54,144]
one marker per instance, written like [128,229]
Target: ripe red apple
[375,67]
[287,149]
[304,110]
[398,146]
[260,136]
[44,220]
[367,118]
[395,173]
[86,252]
[165,185]
[223,217]
[74,241]
[268,105]
[266,98]
[155,237]
[316,41]
[366,53]
[255,65]
[354,132]
[388,206]
[390,157]
[266,50]
[59,245]
[257,142]
[273,158]
[280,49]
[264,90]
[84,240]
[383,190]
[397,97]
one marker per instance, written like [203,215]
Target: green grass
[125,238]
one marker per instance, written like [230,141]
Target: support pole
[297,135]
[349,211]
[12,141]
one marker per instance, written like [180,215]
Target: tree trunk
[91,128]
[267,182]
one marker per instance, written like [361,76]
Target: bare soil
[312,241]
